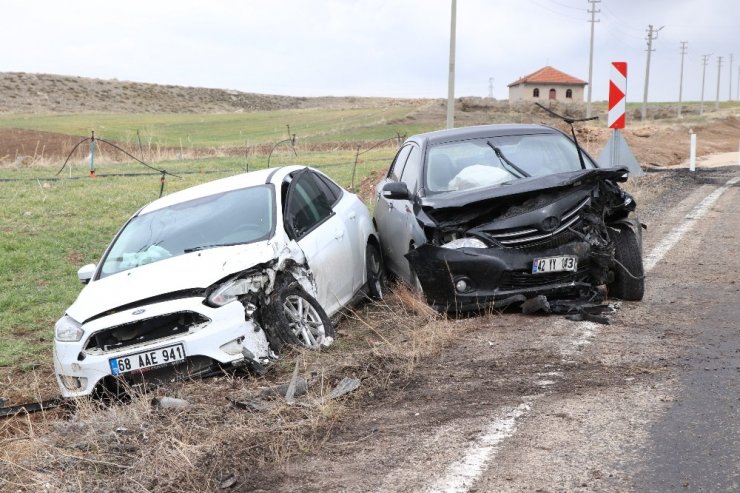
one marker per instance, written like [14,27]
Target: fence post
[354,168]
[92,155]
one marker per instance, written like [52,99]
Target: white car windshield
[498,160]
[230,218]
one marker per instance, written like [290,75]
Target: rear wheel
[629,275]
[375,273]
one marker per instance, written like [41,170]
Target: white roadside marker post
[692,151]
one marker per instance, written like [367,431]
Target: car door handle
[339,235]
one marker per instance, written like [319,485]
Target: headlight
[231,290]
[68,329]
[465,243]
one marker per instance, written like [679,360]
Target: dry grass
[139,447]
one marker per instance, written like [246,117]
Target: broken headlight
[465,243]
[68,329]
[231,290]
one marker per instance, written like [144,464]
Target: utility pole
[719,72]
[490,87]
[680,84]
[593,22]
[730,88]
[451,78]
[737,93]
[652,35]
[705,62]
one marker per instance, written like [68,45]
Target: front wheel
[300,320]
[629,275]
[375,272]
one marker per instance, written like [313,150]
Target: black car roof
[480,131]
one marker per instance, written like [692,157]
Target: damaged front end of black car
[571,235]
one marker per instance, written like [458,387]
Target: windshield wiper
[506,162]
[570,121]
[214,245]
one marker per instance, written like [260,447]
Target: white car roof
[244,180]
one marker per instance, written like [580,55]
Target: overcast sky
[395,48]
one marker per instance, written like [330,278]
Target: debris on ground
[170,403]
[345,386]
[267,398]
[536,304]
[577,310]
[227,482]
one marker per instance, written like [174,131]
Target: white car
[218,275]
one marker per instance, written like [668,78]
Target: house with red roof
[547,83]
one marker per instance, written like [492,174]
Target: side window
[397,167]
[412,171]
[330,189]
[307,205]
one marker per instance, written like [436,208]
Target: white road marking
[463,474]
[696,213]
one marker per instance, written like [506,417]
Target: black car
[502,213]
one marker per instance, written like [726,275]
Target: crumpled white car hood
[189,271]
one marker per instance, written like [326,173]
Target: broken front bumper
[80,366]
[494,274]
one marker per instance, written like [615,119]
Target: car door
[351,211]
[322,236]
[395,218]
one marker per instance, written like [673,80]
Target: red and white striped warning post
[617,95]
[617,152]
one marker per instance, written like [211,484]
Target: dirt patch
[24,148]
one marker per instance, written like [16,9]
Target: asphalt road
[695,445]
[648,403]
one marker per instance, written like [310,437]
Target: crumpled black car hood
[449,205]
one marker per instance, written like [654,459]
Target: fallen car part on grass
[265,399]
[31,407]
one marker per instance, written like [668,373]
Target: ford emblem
[138,312]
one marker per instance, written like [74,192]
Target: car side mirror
[396,190]
[86,272]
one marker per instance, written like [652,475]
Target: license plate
[147,359]
[554,264]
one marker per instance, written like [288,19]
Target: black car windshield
[475,163]
[230,218]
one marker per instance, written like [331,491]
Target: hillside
[45,93]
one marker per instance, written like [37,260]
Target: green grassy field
[314,125]
[51,227]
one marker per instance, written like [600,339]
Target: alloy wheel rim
[304,321]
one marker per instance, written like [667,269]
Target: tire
[375,272]
[298,319]
[629,285]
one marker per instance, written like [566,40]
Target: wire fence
[104,153]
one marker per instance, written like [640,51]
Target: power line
[719,72]
[680,84]
[652,34]
[593,22]
[704,62]
[566,6]
[730,85]
[554,11]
